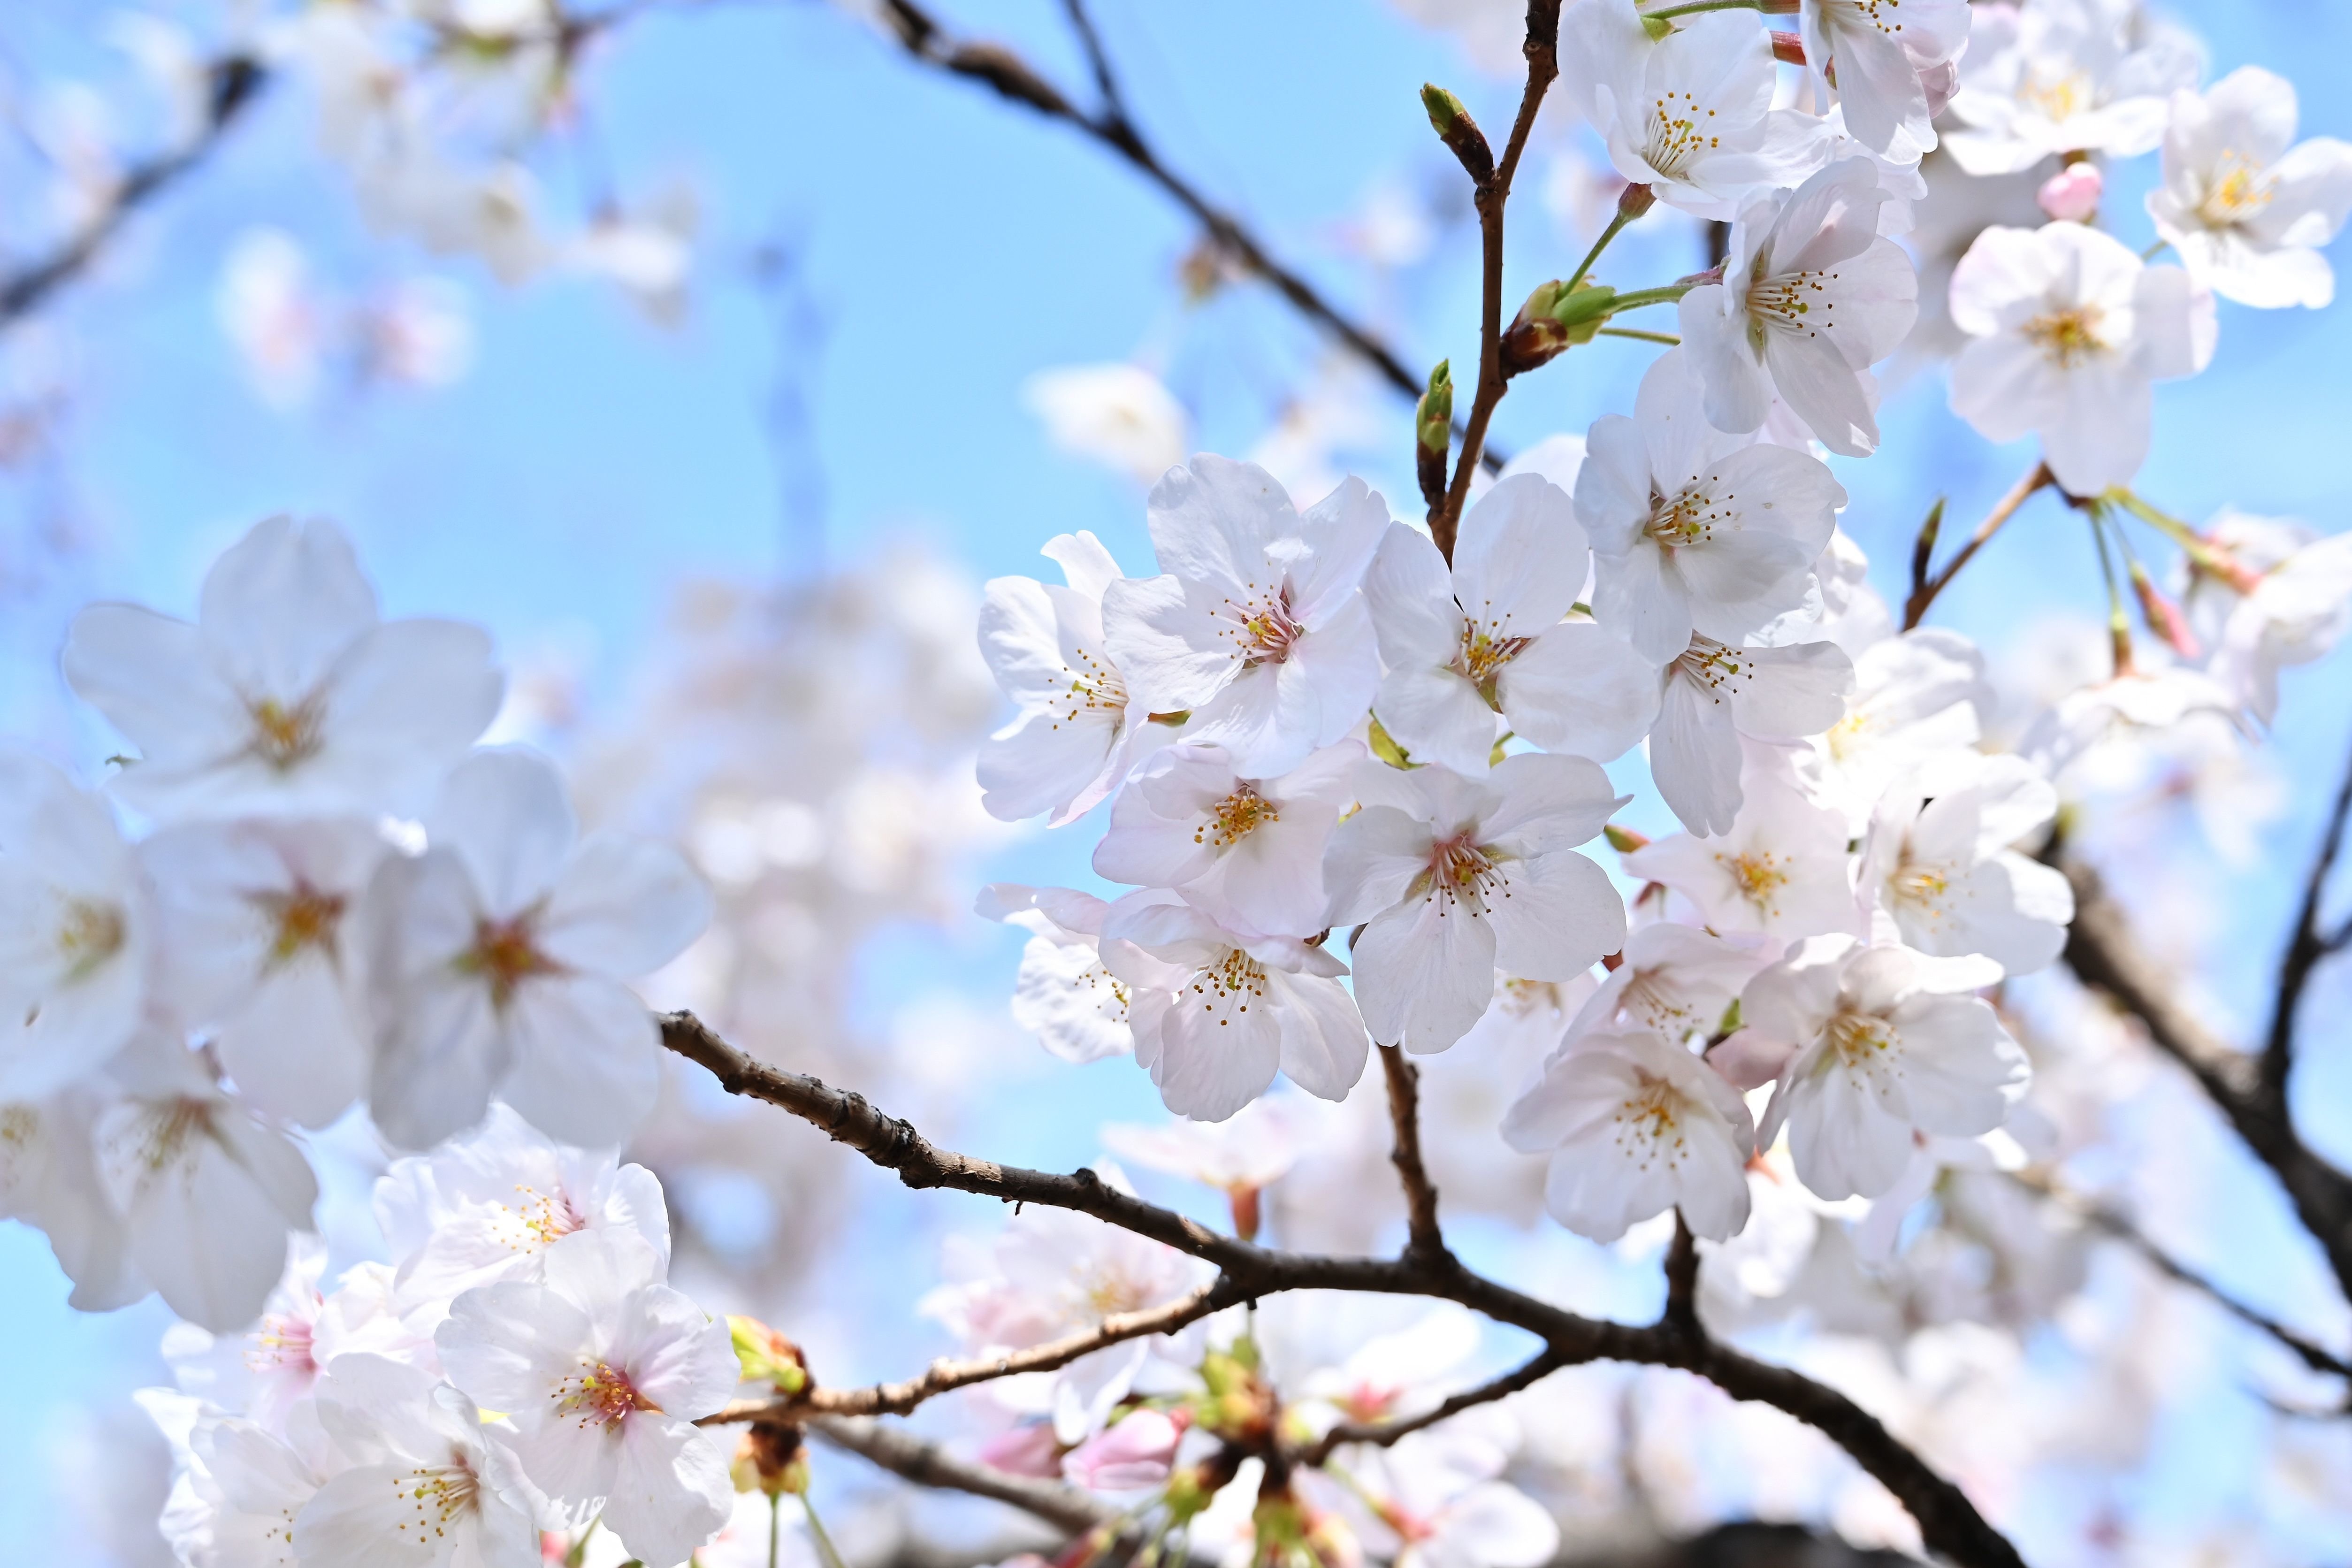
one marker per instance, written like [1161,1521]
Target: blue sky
[951,247]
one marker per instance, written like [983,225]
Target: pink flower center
[282,1343]
[1266,629]
[601,1395]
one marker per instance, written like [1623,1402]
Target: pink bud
[1028,1450]
[2071,194]
[1131,1456]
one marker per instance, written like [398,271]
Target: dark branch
[233,83]
[1424,1239]
[1948,1522]
[927,1465]
[1681,1314]
[2304,949]
[1015,79]
[1380,1433]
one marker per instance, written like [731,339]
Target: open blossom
[274,1364]
[1694,530]
[1635,1124]
[501,952]
[1074,736]
[603,1371]
[49,1178]
[1717,694]
[1780,870]
[1248,852]
[1938,868]
[1491,635]
[1885,55]
[490,1205]
[1455,875]
[416,1472]
[207,1191]
[2247,207]
[2297,611]
[239,1487]
[1880,1042]
[259,949]
[1914,696]
[1063,995]
[74,932]
[1217,1012]
[1674,980]
[1436,1499]
[1257,629]
[2071,332]
[288,694]
[2064,76]
[1253,1148]
[1690,115]
[1810,298]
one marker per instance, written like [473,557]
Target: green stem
[824,1542]
[2118,621]
[1692,7]
[2153,251]
[2180,534]
[1668,338]
[1616,226]
[1640,297]
[775,1525]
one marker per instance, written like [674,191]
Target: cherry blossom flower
[2064,76]
[1939,872]
[1436,1500]
[2072,330]
[1241,1156]
[1810,298]
[1690,115]
[1885,54]
[1780,870]
[275,1363]
[1065,995]
[1074,736]
[1880,1042]
[75,931]
[1693,528]
[1217,1012]
[603,1369]
[207,1191]
[1336,1371]
[49,1178]
[499,955]
[417,1471]
[2299,609]
[1455,875]
[1120,415]
[288,695]
[2248,213]
[2154,697]
[1492,636]
[239,1487]
[1717,694]
[1635,1124]
[257,951]
[1248,852]
[1674,981]
[490,1206]
[1133,1454]
[1916,696]
[1257,629]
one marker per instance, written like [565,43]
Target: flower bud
[767,1356]
[1132,1455]
[2071,194]
[1458,131]
[772,1458]
[2164,617]
[1433,430]
[1624,840]
[1555,319]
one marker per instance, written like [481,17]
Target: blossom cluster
[337,898]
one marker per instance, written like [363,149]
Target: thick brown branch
[1494,194]
[2104,953]
[1424,1239]
[2304,949]
[1380,1433]
[1948,1522]
[941,1376]
[920,34]
[927,1465]
[232,84]
[1914,609]
[1681,1314]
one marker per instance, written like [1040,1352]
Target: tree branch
[926,42]
[1948,1522]
[1424,1239]
[2105,955]
[941,1376]
[1493,194]
[2304,949]
[927,1465]
[1914,609]
[234,82]
[1380,1433]
[1681,1313]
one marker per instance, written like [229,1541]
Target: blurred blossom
[1120,416]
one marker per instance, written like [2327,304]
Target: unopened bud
[767,1356]
[770,1460]
[2164,617]
[1433,431]
[2071,194]
[1245,1208]
[1624,840]
[1555,319]
[1458,131]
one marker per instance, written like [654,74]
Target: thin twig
[2306,948]
[2312,1354]
[232,84]
[927,43]
[1492,196]
[927,1465]
[1948,1522]
[1424,1236]
[1916,609]
[898,1398]
[1380,1433]
[1097,59]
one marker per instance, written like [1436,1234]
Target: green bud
[766,1356]
[1656,27]
[1384,747]
[1586,305]
[1730,1018]
[1624,840]
[1445,110]
[1432,417]
[1458,131]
